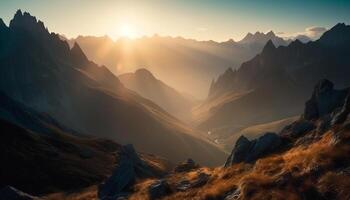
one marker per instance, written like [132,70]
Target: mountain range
[274,84]
[186,64]
[41,71]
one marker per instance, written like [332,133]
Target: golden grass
[285,176]
[288,175]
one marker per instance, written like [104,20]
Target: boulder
[158,189]
[11,193]
[249,151]
[186,166]
[240,151]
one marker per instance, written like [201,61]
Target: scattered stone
[11,193]
[159,189]
[186,166]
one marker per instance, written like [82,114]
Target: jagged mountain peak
[27,22]
[337,35]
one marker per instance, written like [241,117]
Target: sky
[218,20]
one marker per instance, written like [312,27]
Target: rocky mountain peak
[270,34]
[338,35]
[27,22]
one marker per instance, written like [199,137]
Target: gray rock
[297,129]
[183,185]
[11,193]
[323,100]
[239,152]
[202,179]
[342,115]
[250,151]
[158,189]
[186,166]
[124,175]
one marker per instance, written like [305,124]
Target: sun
[127,30]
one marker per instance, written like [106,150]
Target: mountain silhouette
[187,65]
[275,83]
[144,83]
[42,72]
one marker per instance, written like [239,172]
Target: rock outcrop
[250,151]
[324,100]
[129,168]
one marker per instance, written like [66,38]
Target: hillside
[38,155]
[144,83]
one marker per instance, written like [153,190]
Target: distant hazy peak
[144,72]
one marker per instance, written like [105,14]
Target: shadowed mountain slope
[39,70]
[144,83]
[39,155]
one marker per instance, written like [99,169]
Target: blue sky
[199,19]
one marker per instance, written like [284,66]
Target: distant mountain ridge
[188,65]
[275,83]
[40,71]
[144,83]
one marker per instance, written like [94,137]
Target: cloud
[313,32]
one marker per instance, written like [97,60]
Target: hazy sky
[200,19]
